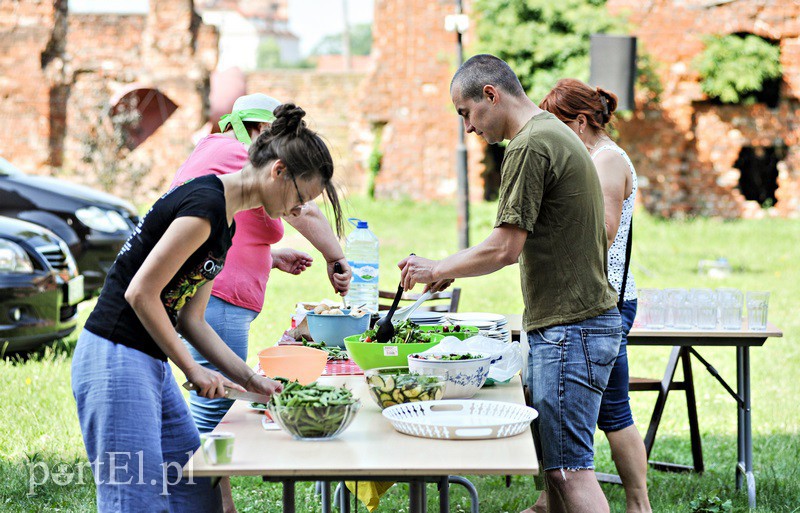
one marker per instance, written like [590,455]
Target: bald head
[482,70]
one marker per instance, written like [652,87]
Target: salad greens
[405,332]
[334,353]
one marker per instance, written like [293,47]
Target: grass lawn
[39,429]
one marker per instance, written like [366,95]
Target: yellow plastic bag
[369,492]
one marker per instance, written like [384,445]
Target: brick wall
[73,66]
[686,146]
[408,94]
[29,30]
[329,102]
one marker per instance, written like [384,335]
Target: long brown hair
[571,97]
[302,150]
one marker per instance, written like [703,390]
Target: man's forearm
[485,258]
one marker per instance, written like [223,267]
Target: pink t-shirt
[243,280]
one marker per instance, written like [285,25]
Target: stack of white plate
[489,324]
[423,318]
[427,318]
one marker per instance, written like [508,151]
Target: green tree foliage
[732,67]
[542,40]
[360,42]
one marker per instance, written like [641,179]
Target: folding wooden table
[370,449]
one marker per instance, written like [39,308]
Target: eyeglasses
[296,188]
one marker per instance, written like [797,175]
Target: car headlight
[108,221]
[14,259]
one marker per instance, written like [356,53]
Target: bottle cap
[361,224]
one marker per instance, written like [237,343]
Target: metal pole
[462,177]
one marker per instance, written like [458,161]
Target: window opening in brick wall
[758,166]
[492,160]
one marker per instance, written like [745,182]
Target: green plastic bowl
[466,331]
[370,355]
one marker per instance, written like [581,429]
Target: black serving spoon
[337,268]
[386,329]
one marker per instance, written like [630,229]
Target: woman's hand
[340,281]
[210,384]
[291,260]
[261,385]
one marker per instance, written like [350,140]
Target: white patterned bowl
[464,377]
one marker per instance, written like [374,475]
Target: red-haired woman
[587,111]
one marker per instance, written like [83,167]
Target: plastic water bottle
[361,250]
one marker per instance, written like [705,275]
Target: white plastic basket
[460,420]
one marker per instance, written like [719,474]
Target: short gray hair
[482,70]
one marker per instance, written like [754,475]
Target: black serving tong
[386,329]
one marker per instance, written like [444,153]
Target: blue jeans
[137,431]
[568,369]
[232,324]
[615,409]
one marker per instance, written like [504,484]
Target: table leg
[444,495]
[325,496]
[691,406]
[744,470]
[416,496]
[661,401]
[288,496]
[345,508]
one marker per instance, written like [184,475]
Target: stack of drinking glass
[704,309]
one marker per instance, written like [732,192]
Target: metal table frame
[683,343]
[683,348]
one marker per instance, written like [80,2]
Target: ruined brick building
[697,155]
[694,156]
[60,72]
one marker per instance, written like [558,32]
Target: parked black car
[40,287]
[94,224]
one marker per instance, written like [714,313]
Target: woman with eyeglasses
[135,423]
[239,292]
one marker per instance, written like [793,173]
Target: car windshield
[7,168]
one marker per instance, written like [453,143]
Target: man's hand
[341,280]
[291,260]
[414,269]
[438,286]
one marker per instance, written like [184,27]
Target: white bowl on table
[464,377]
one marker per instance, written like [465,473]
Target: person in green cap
[238,293]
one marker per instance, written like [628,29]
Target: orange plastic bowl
[301,363]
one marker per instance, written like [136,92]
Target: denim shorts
[137,431]
[615,409]
[568,370]
[232,324]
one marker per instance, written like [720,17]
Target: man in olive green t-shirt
[550,219]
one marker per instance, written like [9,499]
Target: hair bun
[288,120]
[609,101]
